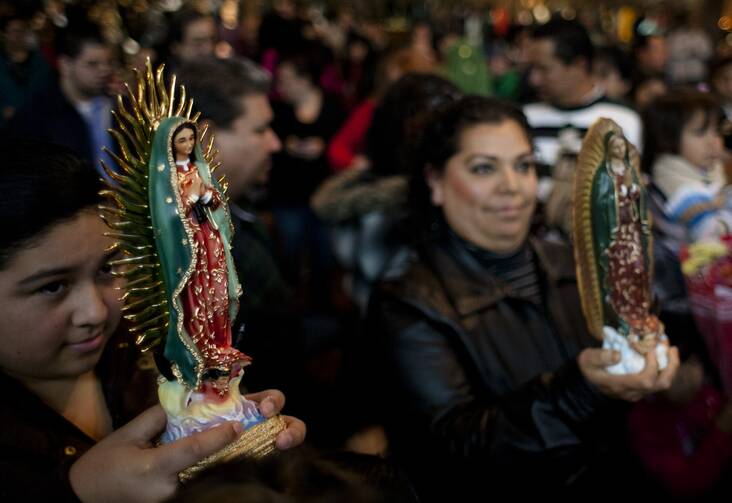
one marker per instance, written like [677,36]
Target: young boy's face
[701,142]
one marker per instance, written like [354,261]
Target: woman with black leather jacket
[494,383]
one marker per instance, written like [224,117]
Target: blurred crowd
[324,119]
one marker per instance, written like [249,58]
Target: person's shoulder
[611,107]
[45,100]
[538,107]
[542,114]
[421,283]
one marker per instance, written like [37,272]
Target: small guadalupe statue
[613,249]
[170,219]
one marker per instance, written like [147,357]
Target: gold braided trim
[256,442]
[590,159]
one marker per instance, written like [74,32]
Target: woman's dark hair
[440,140]
[73,39]
[301,475]
[368,74]
[400,117]
[665,117]
[42,185]
[309,60]
[184,125]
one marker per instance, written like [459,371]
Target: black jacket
[485,391]
[49,116]
[38,445]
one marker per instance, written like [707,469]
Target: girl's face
[487,190]
[701,144]
[183,142]
[59,302]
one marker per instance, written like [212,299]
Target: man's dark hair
[72,40]
[571,40]
[644,30]
[181,20]
[218,86]
[23,12]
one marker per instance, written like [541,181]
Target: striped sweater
[695,198]
[547,121]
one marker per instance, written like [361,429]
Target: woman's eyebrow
[62,270]
[473,157]
[45,273]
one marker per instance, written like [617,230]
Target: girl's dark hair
[399,118]
[42,185]
[184,125]
[440,140]
[665,117]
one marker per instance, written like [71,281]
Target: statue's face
[487,189]
[617,148]
[183,143]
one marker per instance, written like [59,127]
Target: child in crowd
[683,154]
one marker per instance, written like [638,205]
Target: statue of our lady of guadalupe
[169,216]
[613,248]
[193,236]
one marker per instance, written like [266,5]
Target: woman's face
[701,144]
[59,302]
[183,142]
[487,190]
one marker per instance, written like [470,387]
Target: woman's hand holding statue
[631,387]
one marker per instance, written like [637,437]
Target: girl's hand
[270,404]
[126,466]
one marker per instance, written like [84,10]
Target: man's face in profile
[246,146]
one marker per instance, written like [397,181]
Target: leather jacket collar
[469,288]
